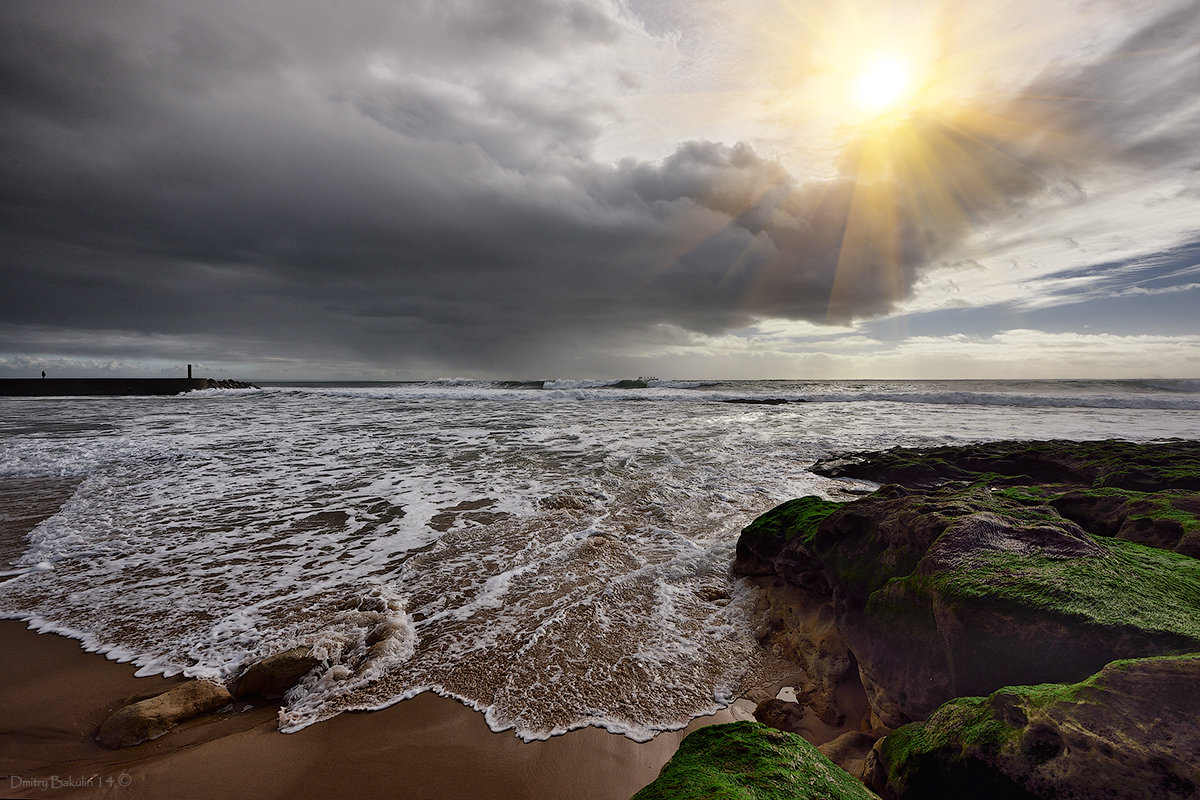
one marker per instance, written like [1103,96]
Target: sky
[415,189]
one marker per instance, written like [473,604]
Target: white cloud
[1016,353]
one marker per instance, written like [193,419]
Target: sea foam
[554,557]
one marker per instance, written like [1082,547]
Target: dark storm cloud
[389,185]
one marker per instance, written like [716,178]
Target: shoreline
[53,696]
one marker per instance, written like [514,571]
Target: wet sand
[53,697]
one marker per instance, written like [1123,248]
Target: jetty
[112,387]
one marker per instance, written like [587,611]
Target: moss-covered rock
[961,590]
[1168,519]
[1145,493]
[999,596]
[752,761]
[799,621]
[776,542]
[1149,466]
[1128,731]
[1004,575]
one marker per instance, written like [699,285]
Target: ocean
[554,554]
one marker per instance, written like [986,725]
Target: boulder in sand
[274,675]
[151,718]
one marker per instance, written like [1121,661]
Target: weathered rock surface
[799,618]
[782,715]
[800,627]
[274,675]
[850,751]
[1126,733]
[1144,493]
[1169,520]
[752,761]
[151,718]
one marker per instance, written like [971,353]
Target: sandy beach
[53,696]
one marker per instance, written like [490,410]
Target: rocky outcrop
[749,760]
[777,543]
[800,627]
[151,718]
[1144,493]
[274,675]
[1126,733]
[979,596]
[1149,466]
[960,591]
[799,618]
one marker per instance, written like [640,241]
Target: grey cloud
[233,178]
[512,127]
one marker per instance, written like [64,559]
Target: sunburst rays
[934,142]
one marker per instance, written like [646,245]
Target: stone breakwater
[111,387]
[1022,618]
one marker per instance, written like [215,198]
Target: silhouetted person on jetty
[43,374]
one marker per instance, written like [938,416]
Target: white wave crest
[359,645]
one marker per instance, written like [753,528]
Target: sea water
[553,553]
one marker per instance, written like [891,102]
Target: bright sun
[884,84]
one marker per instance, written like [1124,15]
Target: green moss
[1032,495]
[959,725]
[751,761]
[882,538]
[799,517]
[957,744]
[1164,505]
[1145,505]
[959,738]
[1131,585]
[1125,584]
